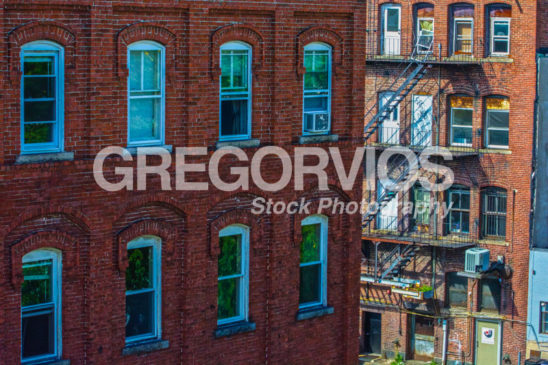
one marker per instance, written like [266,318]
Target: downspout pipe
[444,351]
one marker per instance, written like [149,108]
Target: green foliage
[433,362]
[310,246]
[316,76]
[228,298]
[138,273]
[425,288]
[230,258]
[398,360]
[36,288]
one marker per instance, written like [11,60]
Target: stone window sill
[44,157]
[155,149]
[234,328]
[318,138]
[51,362]
[143,347]
[308,313]
[246,143]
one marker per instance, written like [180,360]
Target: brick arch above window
[322,35]
[68,245]
[236,32]
[145,31]
[166,231]
[43,30]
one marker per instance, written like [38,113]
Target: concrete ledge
[319,138]
[314,312]
[153,149]
[234,328]
[55,362]
[141,347]
[44,157]
[246,143]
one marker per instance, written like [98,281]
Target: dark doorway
[370,343]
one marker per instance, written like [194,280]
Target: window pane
[310,279]
[144,119]
[309,122]
[501,29]
[229,298]
[500,46]
[233,117]
[37,335]
[455,222]
[37,283]
[457,290]
[490,294]
[39,87]
[497,119]
[38,133]
[135,70]
[310,246]
[462,135]
[234,71]
[139,314]
[392,20]
[465,200]
[40,111]
[315,104]
[455,199]
[39,65]
[151,70]
[317,78]
[139,271]
[230,258]
[321,122]
[462,117]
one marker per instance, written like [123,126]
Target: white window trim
[455,22]
[237,46]
[156,244]
[323,221]
[419,34]
[384,14]
[487,129]
[233,230]
[148,46]
[56,274]
[45,48]
[493,36]
[471,127]
[319,46]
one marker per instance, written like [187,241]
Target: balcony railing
[408,229]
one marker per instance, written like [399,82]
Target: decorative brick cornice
[324,35]
[145,31]
[61,241]
[36,31]
[236,32]
[150,227]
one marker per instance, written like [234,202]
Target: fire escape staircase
[396,261]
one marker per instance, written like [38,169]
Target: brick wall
[60,205]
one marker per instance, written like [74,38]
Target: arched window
[233,271]
[42,97]
[424,20]
[146,99]
[143,289]
[317,89]
[462,20]
[499,16]
[41,306]
[235,91]
[493,212]
[313,262]
[497,121]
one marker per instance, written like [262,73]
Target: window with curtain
[233,280]
[458,219]
[317,88]
[235,92]
[143,289]
[42,97]
[499,16]
[463,29]
[146,94]
[462,112]
[41,306]
[313,262]
[493,213]
[497,122]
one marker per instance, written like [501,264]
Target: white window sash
[49,49]
[456,37]
[419,33]
[498,37]
[243,276]
[143,46]
[225,95]
[323,222]
[454,125]
[500,129]
[156,244]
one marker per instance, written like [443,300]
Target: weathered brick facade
[59,205]
[476,168]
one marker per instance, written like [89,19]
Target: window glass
[544,317]
[498,114]
[392,19]
[312,262]
[458,219]
[490,294]
[494,213]
[317,89]
[456,290]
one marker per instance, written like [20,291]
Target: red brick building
[91,276]
[459,75]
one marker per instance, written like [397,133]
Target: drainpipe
[444,351]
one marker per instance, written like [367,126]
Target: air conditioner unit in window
[476,260]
